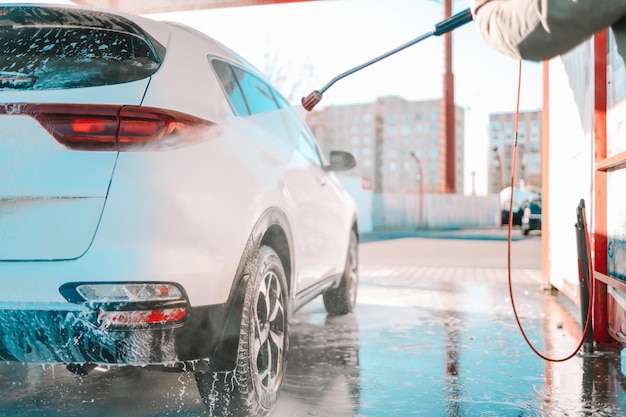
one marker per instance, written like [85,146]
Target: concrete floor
[434,335]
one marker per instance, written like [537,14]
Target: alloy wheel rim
[353,276]
[268,342]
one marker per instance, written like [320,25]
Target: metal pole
[448,124]
[499,161]
[420,223]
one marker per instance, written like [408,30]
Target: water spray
[443,27]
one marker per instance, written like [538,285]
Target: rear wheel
[253,388]
[342,299]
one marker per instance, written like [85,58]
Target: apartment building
[397,143]
[501,145]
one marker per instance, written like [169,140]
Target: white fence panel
[435,211]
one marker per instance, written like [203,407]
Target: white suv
[160,204]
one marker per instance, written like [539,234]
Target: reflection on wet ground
[416,346]
[449,351]
[31,390]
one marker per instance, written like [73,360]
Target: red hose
[510,227]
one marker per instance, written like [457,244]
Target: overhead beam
[164,6]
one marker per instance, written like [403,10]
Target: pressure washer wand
[439,29]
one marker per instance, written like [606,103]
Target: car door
[311,197]
[321,212]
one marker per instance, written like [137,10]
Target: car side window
[258,94]
[231,87]
[307,147]
[282,103]
[247,93]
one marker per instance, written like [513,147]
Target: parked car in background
[531,215]
[161,205]
[520,195]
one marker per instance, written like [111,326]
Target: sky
[306,44]
[309,43]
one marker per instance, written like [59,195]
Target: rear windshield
[53,48]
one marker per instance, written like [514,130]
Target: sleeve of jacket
[541,29]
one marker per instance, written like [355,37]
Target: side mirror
[340,161]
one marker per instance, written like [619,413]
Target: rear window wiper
[17,80]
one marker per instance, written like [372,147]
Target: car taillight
[141,317]
[119,128]
[130,304]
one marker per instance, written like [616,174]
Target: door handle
[321,181]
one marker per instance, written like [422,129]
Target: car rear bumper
[533,224]
[74,334]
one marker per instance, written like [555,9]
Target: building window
[355,140]
[391,118]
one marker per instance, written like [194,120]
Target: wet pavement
[433,335]
[439,339]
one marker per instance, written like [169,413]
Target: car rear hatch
[68,82]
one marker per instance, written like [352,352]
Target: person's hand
[476,4]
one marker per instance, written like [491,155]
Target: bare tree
[290,79]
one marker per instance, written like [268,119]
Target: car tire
[342,299]
[252,389]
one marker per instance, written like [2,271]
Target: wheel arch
[272,229]
[278,239]
[355,226]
